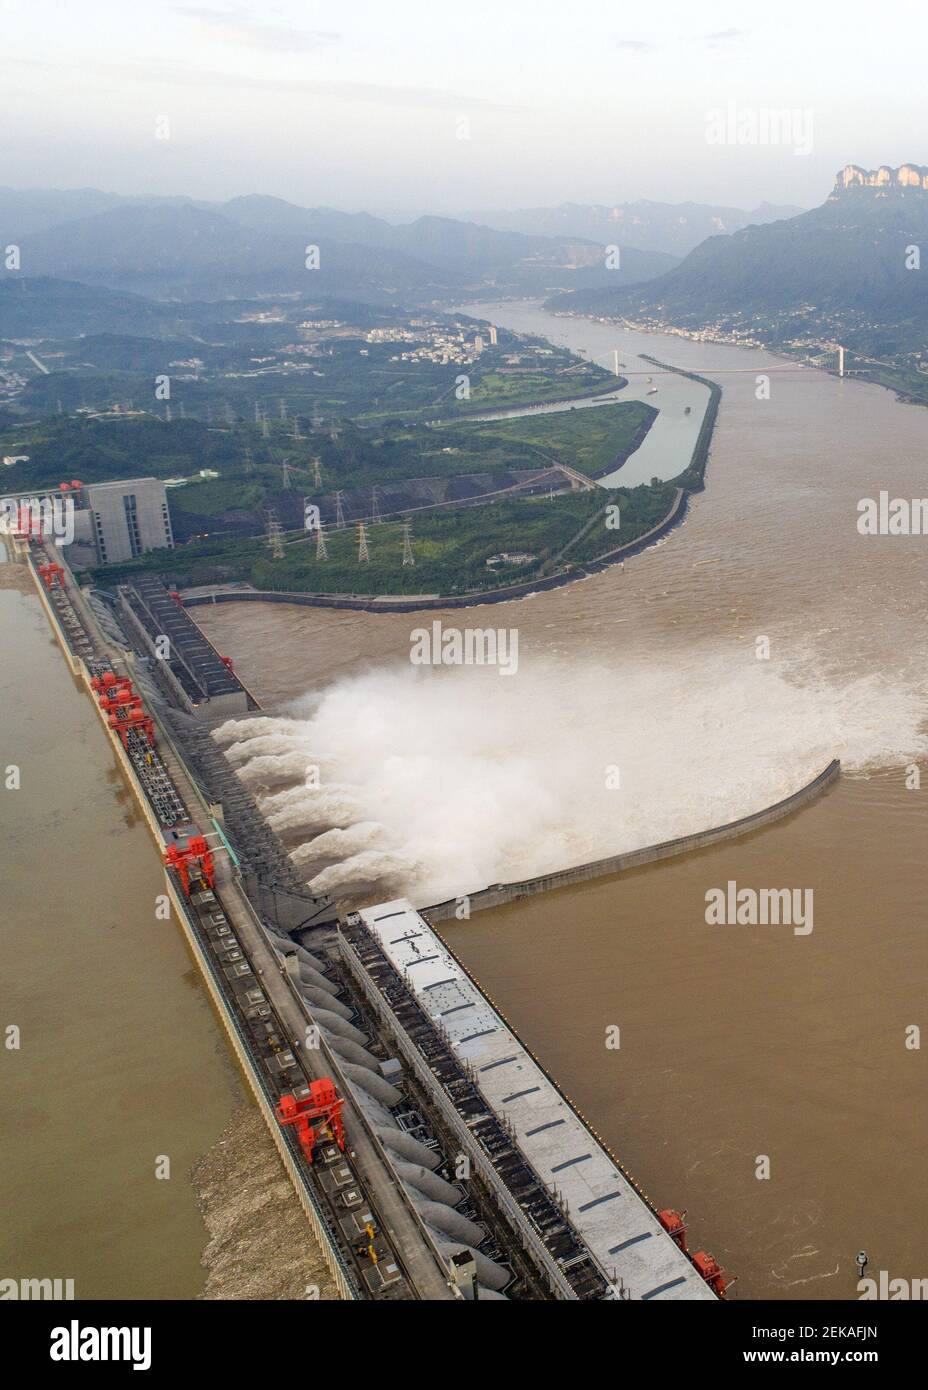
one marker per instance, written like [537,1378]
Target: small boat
[652,391]
[687,410]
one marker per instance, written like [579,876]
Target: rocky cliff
[906,176]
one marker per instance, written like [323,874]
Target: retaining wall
[633,859]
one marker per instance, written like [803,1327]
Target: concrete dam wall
[633,859]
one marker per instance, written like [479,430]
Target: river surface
[121,1063]
[741,1046]
[668,446]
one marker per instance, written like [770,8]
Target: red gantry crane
[323,1103]
[193,860]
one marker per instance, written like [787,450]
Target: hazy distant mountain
[41,307]
[179,249]
[672,228]
[842,264]
[258,245]
[24,211]
[465,251]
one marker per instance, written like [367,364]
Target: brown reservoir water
[738,1043]
[121,1061]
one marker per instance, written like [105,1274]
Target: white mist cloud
[443,781]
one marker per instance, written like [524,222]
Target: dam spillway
[320,1031]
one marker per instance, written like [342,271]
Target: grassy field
[591,439]
[450,548]
[222,520]
[250,463]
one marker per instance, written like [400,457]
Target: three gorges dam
[433,1154]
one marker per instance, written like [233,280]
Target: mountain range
[849,265]
[672,228]
[181,248]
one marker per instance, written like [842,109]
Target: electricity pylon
[274,536]
[375,509]
[322,552]
[363,553]
[408,558]
[339,511]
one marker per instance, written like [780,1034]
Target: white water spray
[462,780]
[336,845]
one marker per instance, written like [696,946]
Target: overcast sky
[434,105]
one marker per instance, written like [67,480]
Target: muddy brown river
[745,1050]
